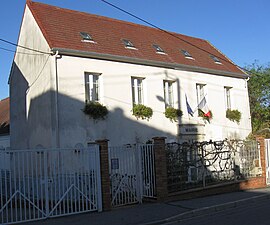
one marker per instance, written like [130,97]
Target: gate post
[161,168]
[105,176]
[261,141]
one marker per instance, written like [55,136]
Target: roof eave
[176,66]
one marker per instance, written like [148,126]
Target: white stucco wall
[31,89]
[121,127]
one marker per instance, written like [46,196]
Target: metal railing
[132,174]
[37,184]
[148,171]
[200,164]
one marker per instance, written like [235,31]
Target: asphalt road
[253,214]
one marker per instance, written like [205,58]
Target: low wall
[253,183]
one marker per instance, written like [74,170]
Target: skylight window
[216,60]
[158,49]
[128,44]
[186,54]
[86,37]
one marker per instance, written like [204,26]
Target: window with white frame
[158,49]
[92,87]
[215,59]
[186,54]
[128,44]
[137,90]
[86,37]
[227,92]
[168,93]
[200,89]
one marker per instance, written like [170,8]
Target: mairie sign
[191,129]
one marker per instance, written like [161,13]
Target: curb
[210,209]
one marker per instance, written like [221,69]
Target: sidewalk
[159,213]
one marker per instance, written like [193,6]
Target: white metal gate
[37,184]
[267,160]
[132,174]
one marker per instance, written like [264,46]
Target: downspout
[56,103]
[247,79]
[179,107]
[246,86]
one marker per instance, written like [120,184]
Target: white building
[87,57]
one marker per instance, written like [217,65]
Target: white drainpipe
[56,103]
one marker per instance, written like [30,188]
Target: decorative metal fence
[37,184]
[148,171]
[132,174]
[200,164]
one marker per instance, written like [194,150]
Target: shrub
[173,114]
[142,111]
[95,110]
[233,115]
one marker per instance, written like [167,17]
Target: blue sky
[238,28]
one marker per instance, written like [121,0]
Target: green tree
[259,96]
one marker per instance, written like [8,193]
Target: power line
[20,46]
[171,34]
[8,50]
[24,53]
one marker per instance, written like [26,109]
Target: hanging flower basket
[95,110]
[173,114]
[141,111]
[233,115]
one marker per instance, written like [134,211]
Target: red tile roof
[62,27]
[4,116]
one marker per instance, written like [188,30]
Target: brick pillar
[161,168]
[261,141]
[105,176]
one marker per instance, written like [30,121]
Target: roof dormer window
[216,59]
[159,50]
[186,54]
[128,44]
[86,37]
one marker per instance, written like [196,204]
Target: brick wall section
[105,176]
[161,168]
[253,183]
[202,192]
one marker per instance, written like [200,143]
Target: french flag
[203,107]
